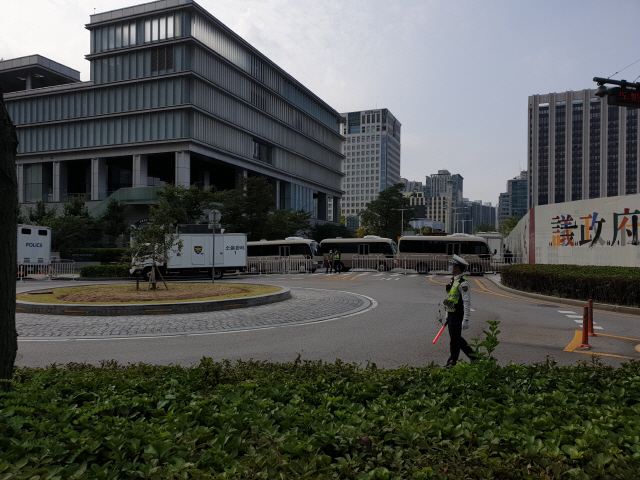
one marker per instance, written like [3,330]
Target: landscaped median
[305,419]
[606,285]
[128,300]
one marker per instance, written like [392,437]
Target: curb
[568,301]
[153,308]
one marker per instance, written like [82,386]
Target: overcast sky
[456,74]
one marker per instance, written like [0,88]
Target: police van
[34,249]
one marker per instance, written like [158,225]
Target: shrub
[308,419]
[611,285]
[104,255]
[101,271]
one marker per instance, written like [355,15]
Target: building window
[261,151]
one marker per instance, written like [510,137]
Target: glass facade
[594,148]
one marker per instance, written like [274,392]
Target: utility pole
[402,218]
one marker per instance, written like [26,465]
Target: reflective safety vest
[454,296]
[336,256]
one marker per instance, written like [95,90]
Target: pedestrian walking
[329,262]
[458,308]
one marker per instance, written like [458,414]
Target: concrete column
[98,179]
[336,209]
[277,194]
[59,181]
[183,168]
[20,176]
[206,178]
[140,171]
[322,206]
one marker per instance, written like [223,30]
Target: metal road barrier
[260,265]
[46,269]
[381,263]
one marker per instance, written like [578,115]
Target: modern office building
[513,202]
[372,158]
[579,148]
[412,186]
[445,184]
[174,97]
[479,213]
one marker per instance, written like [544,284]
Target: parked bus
[427,253]
[292,253]
[370,252]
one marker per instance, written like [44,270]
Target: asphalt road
[396,329]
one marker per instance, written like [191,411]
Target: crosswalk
[577,318]
[351,275]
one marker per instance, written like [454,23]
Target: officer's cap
[456,260]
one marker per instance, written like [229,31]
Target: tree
[383,217]
[9,250]
[75,228]
[112,220]
[286,223]
[41,214]
[330,230]
[178,204]
[245,209]
[154,241]
[507,225]
[485,227]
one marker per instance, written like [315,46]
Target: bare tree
[9,240]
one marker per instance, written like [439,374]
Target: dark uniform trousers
[456,342]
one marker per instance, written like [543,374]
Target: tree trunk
[8,238]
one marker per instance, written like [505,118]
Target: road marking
[574,316]
[577,340]
[565,311]
[377,274]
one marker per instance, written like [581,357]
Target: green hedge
[311,420]
[610,285]
[104,255]
[100,271]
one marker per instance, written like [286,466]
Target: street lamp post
[214,217]
[402,218]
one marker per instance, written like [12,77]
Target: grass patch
[127,294]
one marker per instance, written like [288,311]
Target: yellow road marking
[577,340]
[615,336]
[233,305]
[76,311]
[160,310]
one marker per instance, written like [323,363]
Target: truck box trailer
[195,257]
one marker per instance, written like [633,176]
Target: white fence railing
[382,264]
[261,265]
[46,269]
[441,264]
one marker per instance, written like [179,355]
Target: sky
[457,74]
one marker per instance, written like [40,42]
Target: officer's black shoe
[450,363]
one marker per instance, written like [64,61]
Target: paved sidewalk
[305,306]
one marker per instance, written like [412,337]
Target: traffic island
[115,300]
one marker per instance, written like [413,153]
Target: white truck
[195,256]
[34,249]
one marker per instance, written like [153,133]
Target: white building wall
[600,231]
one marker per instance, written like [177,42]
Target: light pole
[402,218]
[214,217]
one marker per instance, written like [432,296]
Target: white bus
[370,252]
[290,254]
[425,253]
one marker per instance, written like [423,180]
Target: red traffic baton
[440,332]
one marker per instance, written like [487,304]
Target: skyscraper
[579,147]
[513,202]
[372,158]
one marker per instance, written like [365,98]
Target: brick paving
[305,306]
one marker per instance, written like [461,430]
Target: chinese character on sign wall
[627,224]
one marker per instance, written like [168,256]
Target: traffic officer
[337,266]
[458,308]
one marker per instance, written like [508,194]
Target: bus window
[453,249]
[384,248]
[315,249]
[412,246]
[285,251]
[363,249]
